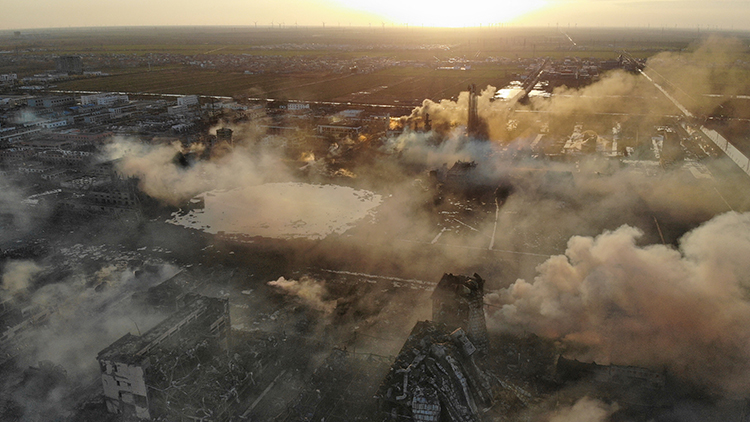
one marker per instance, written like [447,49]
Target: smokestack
[472,126]
[224,135]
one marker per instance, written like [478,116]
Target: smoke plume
[311,292]
[18,275]
[610,300]
[164,179]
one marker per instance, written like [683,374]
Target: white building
[188,100]
[105,100]
[51,124]
[297,106]
[8,78]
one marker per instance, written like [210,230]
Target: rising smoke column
[610,300]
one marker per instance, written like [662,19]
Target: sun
[464,13]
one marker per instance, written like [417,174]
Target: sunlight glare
[459,14]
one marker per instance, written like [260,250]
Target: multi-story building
[52,102]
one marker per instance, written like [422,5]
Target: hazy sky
[724,14]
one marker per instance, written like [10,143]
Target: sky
[720,14]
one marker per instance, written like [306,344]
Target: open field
[386,86]
[399,42]
[398,65]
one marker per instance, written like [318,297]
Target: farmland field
[398,65]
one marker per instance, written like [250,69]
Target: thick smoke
[70,337]
[18,276]
[584,410]
[310,291]
[161,177]
[713,66]
[446,114]
[613,301]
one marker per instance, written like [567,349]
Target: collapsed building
[437,375]
[131,367]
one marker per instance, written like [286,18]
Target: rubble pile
[340,389]
[435,374]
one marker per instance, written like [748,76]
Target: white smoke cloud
[613,301]
[163,179]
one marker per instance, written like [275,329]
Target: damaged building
[458,302]
[437,375]
[435,378]
[130,367]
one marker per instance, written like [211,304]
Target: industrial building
[339,130]
[129,366]
[104,99]
[52,102]
[224,135]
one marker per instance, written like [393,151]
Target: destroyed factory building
[131,366]
[458,302]
[438,375]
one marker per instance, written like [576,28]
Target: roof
[132,349]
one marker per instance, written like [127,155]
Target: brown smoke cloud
[610,300]
[18,275]
[715,65]
[310,291]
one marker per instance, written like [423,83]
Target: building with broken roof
[458,302]
[131,366]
